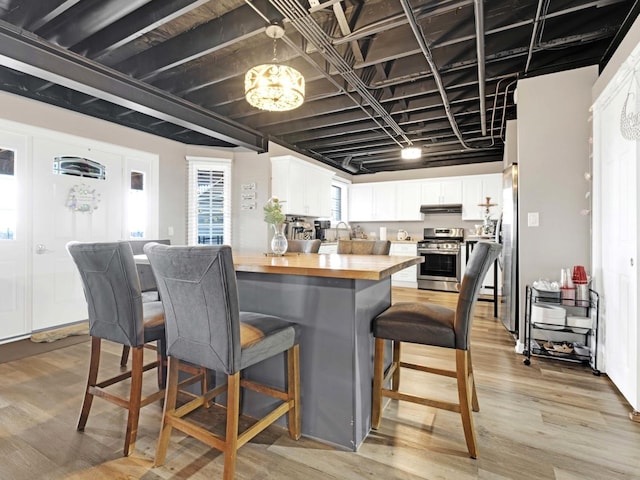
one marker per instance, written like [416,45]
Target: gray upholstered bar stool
[206,327]
[304,246]
[435,325]
[364,247]
[147,287]
[116,313]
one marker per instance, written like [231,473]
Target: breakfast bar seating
[205,326]
[438,326]
[332,299]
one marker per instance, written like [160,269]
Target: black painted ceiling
[380,74]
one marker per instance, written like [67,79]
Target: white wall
[250,232]
[553,155]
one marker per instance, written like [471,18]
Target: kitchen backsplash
[415,229]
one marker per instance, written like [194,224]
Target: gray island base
[336,349]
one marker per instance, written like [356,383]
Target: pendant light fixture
[271,86]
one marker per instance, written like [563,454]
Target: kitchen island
[333,299]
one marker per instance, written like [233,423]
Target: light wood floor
[550,420]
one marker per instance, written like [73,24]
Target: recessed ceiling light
[411,153]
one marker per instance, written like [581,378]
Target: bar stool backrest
[199,292]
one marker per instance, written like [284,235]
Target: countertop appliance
[321,227]
[507,235]
[295,229]
[441,249]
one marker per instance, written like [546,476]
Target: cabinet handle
[631,261]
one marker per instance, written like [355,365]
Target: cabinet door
[451,191]
[384,201]
[317,193]
[360,202]
[408,201]
[492,187]
[471,197]
[430,192]
[295,204]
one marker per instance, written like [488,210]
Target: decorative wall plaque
[83,198]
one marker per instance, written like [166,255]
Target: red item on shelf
[579,275]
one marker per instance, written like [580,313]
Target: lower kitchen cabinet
[409,276]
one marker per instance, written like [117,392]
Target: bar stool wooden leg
[378,372]
[171,396]
[474,396]
[464,395]
[92,379]
[124,358]
[293,391]
[233,414]
[135,396]
[395,380]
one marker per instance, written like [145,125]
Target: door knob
[41,249]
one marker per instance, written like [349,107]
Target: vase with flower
[273,215]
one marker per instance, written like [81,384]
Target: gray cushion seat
[423,323]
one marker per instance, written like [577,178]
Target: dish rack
[559,330]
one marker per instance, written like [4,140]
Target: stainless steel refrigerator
[508,237]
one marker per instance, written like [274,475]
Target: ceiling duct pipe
[534,34]
[313,33]
[422,42]
[479,13]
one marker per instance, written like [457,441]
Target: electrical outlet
[533,219]
[170,231]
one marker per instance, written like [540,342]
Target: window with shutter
[209,216]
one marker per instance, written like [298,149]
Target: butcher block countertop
[358,267]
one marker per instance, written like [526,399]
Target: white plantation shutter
[209,202]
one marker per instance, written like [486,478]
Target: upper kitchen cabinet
[360,202]
[441,191]
[475,190]
[409,196]
[372,201]
[305,188]
[384,201]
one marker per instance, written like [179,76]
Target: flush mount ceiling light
[410,153]
[271,86]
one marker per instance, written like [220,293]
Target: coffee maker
[321,227]
[295,229]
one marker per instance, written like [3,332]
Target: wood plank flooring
[550,420]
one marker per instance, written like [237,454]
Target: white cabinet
[304,188]
[409,276]
[475,190]
[372,202]
[361,202]
[441,191]
[384,201]
[408,199]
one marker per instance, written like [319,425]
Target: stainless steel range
[441,249]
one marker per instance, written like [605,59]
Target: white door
[67,207]
[616,171]
[14,235]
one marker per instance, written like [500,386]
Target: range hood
[441,208]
